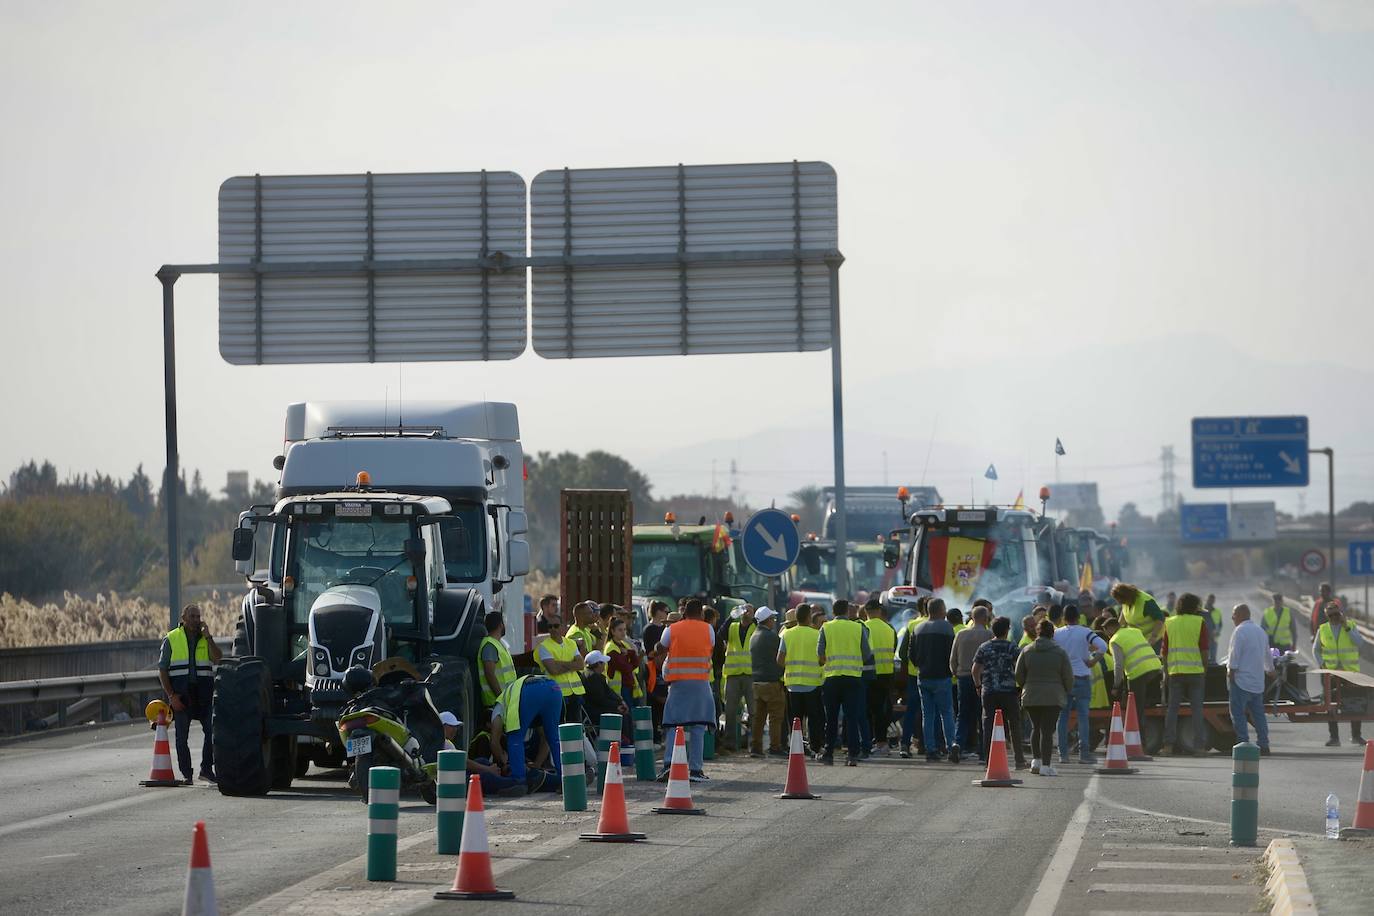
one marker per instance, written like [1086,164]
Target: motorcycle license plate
[359,745]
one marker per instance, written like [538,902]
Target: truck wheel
[285,759]
[243,751]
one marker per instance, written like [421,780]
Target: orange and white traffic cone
[161,774]
[200,883]
[999,773]
[614,825]
[678,799]
[473,880]
[797,786]
[1364,811]
[1116,748]
[1135,750]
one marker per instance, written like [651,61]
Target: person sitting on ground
[601,697]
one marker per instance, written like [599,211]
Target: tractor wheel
[285,759]
[243,752]
[451,689]
[302,763]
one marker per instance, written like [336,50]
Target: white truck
[445,478]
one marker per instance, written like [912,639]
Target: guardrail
[72,692]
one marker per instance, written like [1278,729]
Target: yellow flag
[1020,500]
[1085,581]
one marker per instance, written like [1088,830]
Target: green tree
[809,503]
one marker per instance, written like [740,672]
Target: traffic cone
[161,774]
[614,825]
[678,799]
[1364,811]
[1116,748]
[200,883]
[1135,750]
[473,880]
[999,773]
[797,786]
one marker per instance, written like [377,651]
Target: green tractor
[672,561]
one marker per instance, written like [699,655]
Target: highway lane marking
[1180,847]
[61,817]
[1207,889]
[1171,866]
[866,806]
[1051,887]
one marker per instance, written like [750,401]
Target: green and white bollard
[1245,763]
[383,809]
[574,767]
[607,733]
[644,742]
[452,792]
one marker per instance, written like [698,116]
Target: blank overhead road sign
[1250,452]
[372,268]
[770,542]
[683,259]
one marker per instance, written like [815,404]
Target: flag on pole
[1085,581]
[1020,499]
[990,473]
[1058,446]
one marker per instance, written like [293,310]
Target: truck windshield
[972,561]
[367,551]
[866,571]
[667,567]
[815,569]
[465,544]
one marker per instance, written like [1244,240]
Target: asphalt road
[888,836]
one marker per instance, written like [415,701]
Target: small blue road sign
[1204,523]
[770,542]
[1250,452]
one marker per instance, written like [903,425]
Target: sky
[1087,220]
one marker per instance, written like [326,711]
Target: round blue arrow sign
[770,542]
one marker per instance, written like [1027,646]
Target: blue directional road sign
[1204,523]
[770,542]
[1250,452]
[1361,558]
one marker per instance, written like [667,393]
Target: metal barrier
[68,692]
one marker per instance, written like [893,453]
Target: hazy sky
[1089,220]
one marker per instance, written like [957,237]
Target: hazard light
[903,494]
[364,480]
[669,518]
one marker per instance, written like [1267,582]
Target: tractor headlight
[360,656]
[322,670]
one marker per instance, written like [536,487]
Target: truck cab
[960,554]
[672,561]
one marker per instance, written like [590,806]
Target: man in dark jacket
[930,651]
[186,670]
[770,700]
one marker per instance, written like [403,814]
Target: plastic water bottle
[1333,817]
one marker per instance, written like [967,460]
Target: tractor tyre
[451,689]
[243,751]
[285,760]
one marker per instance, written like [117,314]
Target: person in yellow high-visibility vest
[559,658]
[738,674]
[882,639]
[913,723]
[1140,610]
[497,668]
[1337,648]
[1135,666]
[843,651]
[1279,625]
[186,668]
[1184,651]
[801,676]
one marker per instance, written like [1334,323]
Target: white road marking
[1047,894]
[1198,820]
[1170,866]
[61,817]
[1218,889]
[60,855]
[866,806]
[1179,847]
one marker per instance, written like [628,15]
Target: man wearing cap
[601,697]
[770,700]
[738,671]
[1336,646]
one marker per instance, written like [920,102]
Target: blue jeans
[1080,701]
[696,746]
[937,708]
[911,716]
[1243,701]
[542,702]
[970,706]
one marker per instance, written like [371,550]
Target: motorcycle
[392,724]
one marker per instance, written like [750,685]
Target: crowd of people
[848,675]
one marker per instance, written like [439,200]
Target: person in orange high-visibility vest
[684,653]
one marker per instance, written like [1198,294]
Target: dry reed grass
[104,618]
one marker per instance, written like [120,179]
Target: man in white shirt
[1084,648]
[1248,663]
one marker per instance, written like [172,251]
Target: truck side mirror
[243,546]
[811,559]
[517,558]
[892,554]
[517,522]
[415,550]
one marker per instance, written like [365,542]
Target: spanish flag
[956,563]
[1020,500]
[720,540]
[1085,581]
